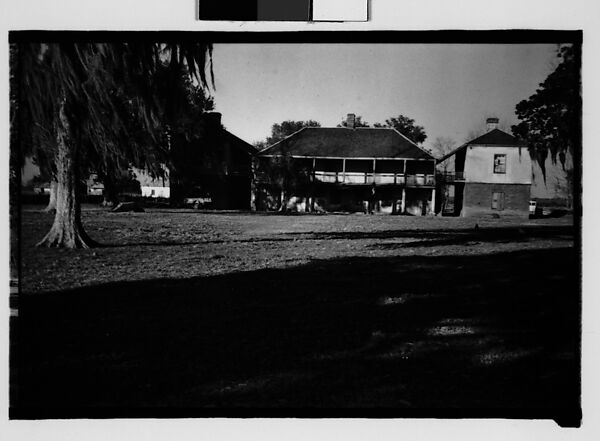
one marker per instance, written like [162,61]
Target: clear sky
[448,88]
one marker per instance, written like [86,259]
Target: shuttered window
[499,163]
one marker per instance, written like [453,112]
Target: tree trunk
[283,203]
[67,230]
[110,193]
[51,207]
[176,191]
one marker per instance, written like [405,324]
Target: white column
[403,208]
[311,199]
[433,201]
[252,185]
[373,172]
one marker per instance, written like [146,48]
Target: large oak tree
[551,117]
[82,100]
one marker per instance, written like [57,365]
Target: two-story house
[492,175]
[218,168]
[346,168]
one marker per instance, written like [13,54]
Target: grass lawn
[186,309]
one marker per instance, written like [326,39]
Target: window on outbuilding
[499,163]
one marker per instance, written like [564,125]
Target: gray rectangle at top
[288,10]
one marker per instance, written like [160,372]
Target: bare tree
[442,146]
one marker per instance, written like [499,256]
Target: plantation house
[345,168]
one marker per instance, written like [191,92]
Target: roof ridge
[355,128]
[472,141]
[281,140]
[378,128]
[250,146]
[518,143]
[413,143]
[452,152]
[344,141]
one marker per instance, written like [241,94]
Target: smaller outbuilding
[492,175]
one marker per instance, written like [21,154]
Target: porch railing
[451,176]
[358,178]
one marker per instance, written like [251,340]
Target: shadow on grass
[423,238]
[494,331]
[488,234]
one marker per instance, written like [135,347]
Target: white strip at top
[340,10]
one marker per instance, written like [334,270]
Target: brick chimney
[492,123]
[213,119]
[350,119]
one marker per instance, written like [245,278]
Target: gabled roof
[497,137]
[247,147]
[342,142]
[493,138]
